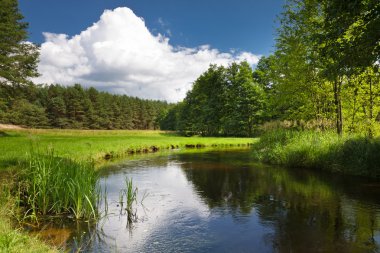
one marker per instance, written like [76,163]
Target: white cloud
[119,54]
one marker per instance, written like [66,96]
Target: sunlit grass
[350,154]
[97,144]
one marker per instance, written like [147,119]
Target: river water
[222,201]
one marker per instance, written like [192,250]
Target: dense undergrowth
[348,154]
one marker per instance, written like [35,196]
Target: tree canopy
[223,101]
[56,106]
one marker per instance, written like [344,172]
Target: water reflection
[223,202]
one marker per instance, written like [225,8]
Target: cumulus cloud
[119,54]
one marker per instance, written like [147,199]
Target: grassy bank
[350,154]
[83,144]
[53,184]
[14,240]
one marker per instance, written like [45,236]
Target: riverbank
[100,144]
[79,145]
[347,154]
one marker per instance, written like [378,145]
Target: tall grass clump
[51,185]
[130,195]
[350,154]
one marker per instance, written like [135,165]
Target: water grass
[350,154]
[129,193]
[51,185]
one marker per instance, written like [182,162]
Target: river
[223,201]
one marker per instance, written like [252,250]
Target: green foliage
[223,101]
[53,186]
[354,155]
[13,241]
[18,58]
[27,114]
[351,35]
[86,144]
[56,106]
[320,70]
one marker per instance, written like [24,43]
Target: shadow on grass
[7,163]
[171,134]
[3,134]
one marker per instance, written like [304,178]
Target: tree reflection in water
[310,212]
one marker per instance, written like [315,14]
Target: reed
[51,185]
[129,193]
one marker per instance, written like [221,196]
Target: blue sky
[224,24]
[232,31]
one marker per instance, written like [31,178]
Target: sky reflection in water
[223,202]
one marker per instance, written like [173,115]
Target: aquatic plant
[51,185]
[130,194]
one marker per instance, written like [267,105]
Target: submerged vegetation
[351,154]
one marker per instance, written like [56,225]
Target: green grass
[130,193]
[14,241]
[82,144]
[350,154]
[11,239]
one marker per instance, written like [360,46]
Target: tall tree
[223,101]
[349,43]
[18,58]
[244,103]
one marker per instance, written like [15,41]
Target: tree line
[56,106]
[324,73]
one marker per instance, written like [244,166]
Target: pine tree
[18,58]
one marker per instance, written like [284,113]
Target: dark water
[224,202]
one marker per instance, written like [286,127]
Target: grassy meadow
[96,144]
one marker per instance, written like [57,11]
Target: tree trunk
[338,106]
[370,132]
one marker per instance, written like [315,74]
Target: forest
[322,75]
[75,107]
